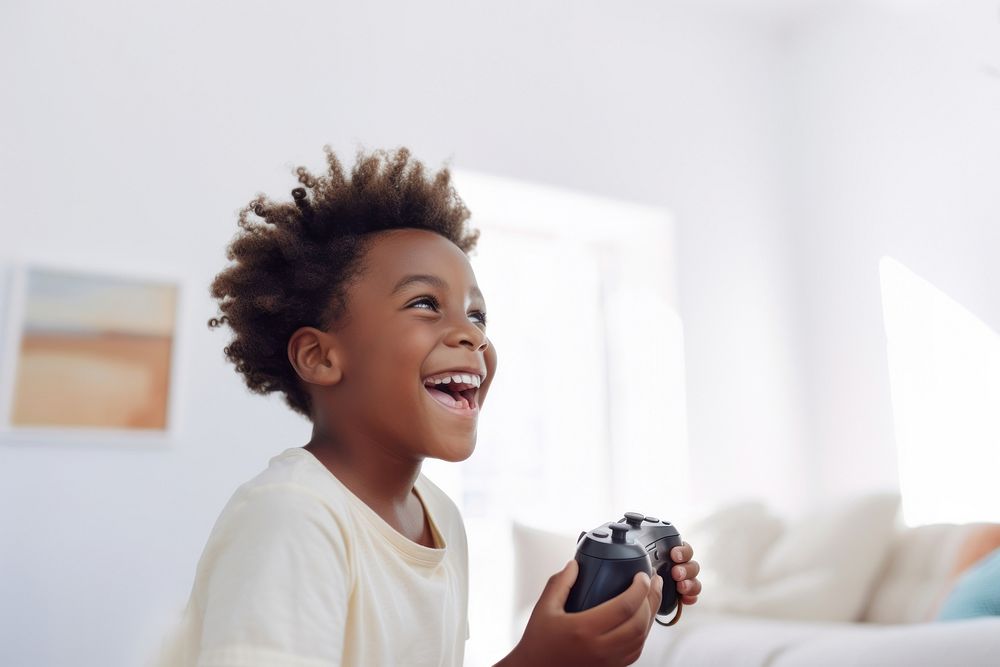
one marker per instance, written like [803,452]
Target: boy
[357,302]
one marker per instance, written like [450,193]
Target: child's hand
[612,633]
[685,573]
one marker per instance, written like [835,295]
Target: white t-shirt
[299,572]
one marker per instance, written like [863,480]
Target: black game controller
[612,554]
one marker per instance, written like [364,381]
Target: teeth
[463,378]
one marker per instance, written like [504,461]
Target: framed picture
[88,355]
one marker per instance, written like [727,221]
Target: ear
[315,356]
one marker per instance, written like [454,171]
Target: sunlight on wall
[944,369]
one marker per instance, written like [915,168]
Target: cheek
[491,369]
[491,357]
[397,363]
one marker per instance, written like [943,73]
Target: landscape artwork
[95,352]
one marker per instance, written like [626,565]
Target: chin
[453,452]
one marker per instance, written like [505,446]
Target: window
[944,370]
[586,417]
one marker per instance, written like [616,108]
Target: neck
[376,475]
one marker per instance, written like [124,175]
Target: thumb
[557,589]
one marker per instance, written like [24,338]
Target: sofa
[848,584]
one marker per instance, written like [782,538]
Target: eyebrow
[429,279]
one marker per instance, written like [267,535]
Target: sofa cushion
[729,545]
[970,643]
[918,573]
[709,639]
[982,540]
[817,568]
[538,554]
[977,592]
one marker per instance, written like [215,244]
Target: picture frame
[90,354]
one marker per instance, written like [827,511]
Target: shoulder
[298,467]
[279,567]
[287,506]
[293,482]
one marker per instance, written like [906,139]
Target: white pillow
[729,544]
[820,568]
[918,573]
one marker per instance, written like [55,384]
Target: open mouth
[455,390]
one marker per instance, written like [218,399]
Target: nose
[469,336]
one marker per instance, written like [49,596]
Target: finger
[690,587]
[682,554]
[633,631]
[688,570]
[618,610]
[557,588]
[689,599]
[655,598]
[633,656]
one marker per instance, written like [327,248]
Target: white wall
[894,149]
[136,131]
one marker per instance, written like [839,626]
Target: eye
[479,316]
[425,303]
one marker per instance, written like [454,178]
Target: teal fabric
[976,593]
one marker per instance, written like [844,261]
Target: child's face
[415,314]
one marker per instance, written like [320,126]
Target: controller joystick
[613,553]
[618,532]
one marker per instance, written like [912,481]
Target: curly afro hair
[293,261]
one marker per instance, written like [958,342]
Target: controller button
[652,519]
[634,518]
[618,531]
[599,533]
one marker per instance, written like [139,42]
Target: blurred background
[731,249]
